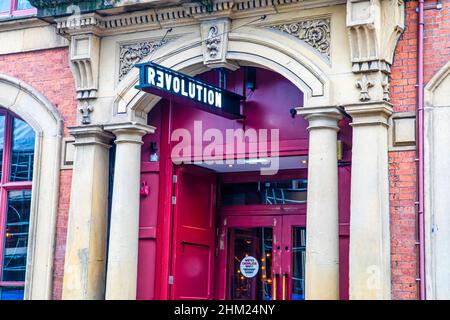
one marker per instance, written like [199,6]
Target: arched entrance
[199,218]
[305,72]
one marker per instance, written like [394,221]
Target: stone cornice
[187,13]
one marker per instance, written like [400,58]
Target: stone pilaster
[370,273]
[85,261]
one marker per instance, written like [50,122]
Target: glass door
[252,257]
[251,252]
[265,257]
[293,257]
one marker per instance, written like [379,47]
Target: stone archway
[248,46]
[43,117]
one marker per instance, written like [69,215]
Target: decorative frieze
[316,33]
[132,54]
[150,19]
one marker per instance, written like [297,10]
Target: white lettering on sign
[249,267]
[184,87]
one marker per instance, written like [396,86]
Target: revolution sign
[169,84]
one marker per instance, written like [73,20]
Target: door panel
[293,258]
[193,258]
[256,237]
[278,243]
[251,243]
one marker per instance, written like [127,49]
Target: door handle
[285,276]
[275,288]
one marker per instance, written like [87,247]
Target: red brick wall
[48,72]
[402,166]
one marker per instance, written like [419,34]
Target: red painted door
[193,245]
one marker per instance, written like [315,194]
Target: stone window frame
[36,110]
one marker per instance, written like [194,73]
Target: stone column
[124,225]
[85,261]
[370,272]
[322,230]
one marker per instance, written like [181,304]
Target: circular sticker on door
[249,267]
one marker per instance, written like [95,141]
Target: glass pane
[2,142]
[4,5]
[16,236]
[298,263]
[266,193]
[23,5]
[11,293]
[22,154]
[250,256]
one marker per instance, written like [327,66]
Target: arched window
[17,140]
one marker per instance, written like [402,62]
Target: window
[15,8]
[264,193]
[16,175]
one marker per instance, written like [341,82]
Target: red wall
[48,72]
[402,167]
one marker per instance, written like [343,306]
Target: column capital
[372,113]
[322,117]
[130,132]
[91,135]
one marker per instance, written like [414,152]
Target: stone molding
[368,114]
[402,131]
[91,135]
[129,132]
[322,117]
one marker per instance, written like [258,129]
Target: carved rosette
[316,33]
[131,54]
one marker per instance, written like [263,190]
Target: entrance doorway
[185,246]
[276,244]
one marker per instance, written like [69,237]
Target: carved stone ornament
[316,33]
[364,84]
[213,42]
[85,109]
[386,88]
[131,54]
